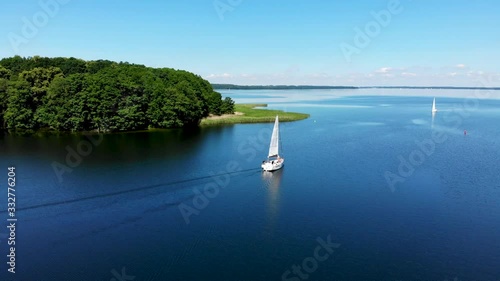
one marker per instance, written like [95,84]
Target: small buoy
[465,132]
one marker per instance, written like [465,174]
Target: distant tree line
[69,94]
[276,87]
[431,87]
[312,87]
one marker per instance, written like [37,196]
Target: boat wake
[132,190]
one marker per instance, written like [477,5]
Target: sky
[271,42]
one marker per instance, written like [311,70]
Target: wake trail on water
[111,194]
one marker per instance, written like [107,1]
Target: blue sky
[317,42]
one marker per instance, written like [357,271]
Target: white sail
[272,163]
[434,105]
[273,147]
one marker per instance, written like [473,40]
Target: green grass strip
[248,113]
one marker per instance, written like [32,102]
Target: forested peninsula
[70,94]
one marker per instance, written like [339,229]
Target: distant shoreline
[248,113]
[311,87]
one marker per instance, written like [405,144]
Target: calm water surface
[117,212]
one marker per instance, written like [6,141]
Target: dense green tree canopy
[69,94]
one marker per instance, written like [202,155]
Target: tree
[3,100]
[95,66]
[39,80]
[5,73]
[15,64]
[19,113]
[162,110]
[227,106]
[62,106]
[69,94]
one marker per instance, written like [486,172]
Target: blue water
[119,210]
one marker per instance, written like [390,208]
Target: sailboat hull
[273,165]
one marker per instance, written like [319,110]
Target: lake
[374,188]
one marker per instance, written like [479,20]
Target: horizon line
[229,86]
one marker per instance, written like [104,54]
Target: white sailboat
[274,161]
[434,110]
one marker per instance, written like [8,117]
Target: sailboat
[274,161]
[434,110]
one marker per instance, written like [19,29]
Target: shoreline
[248,113]
[243,114]
[329,87]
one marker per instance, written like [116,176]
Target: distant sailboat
[274,161]
[434,110]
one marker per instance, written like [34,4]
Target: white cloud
[223,75]
[383,76]
[408,74]
[383,70]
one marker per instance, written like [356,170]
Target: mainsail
[434,105]
[273,147]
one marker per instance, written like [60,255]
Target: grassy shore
[248,113]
